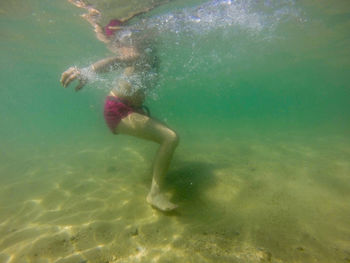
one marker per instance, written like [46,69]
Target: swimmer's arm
[126,59]
[107,64]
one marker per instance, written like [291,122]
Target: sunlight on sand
[239,202]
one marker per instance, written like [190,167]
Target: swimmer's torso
[141,75]
[128,88]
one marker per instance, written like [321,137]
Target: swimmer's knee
[173,137]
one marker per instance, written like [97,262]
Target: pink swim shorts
[115,109]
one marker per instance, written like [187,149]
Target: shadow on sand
[188,180]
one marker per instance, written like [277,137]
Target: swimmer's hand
[70,75]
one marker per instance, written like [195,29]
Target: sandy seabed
[270,199]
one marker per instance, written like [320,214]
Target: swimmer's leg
[147,128]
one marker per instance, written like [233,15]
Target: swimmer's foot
[161,202]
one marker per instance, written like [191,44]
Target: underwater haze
[259,94]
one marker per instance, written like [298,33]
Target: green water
[262,170]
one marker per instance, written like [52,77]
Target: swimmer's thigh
[144,127]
